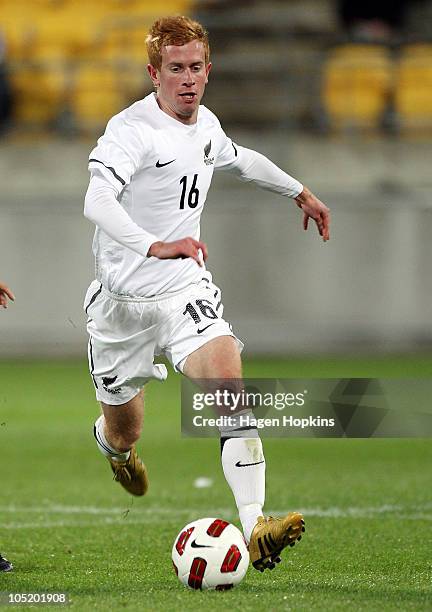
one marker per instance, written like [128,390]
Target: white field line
[50,516]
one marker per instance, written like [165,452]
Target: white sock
[243,464]
[103,445]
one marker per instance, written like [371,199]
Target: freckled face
[181,80]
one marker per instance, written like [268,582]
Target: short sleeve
[119,152]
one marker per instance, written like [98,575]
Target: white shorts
[126,334]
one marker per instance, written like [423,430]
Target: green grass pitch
[68,527]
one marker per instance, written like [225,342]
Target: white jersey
[160,171]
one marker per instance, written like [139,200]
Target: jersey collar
[171,120]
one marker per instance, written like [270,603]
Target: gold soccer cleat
[131,474]
[270,536]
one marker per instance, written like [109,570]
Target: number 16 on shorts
[200,313]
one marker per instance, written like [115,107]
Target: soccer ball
[210,554]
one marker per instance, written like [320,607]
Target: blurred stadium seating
[73,56]
[290,59]
[39,93]
[357,85]
[413,87]
[299,68]
[96,93]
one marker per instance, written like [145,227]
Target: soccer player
[150,173]
[5,294]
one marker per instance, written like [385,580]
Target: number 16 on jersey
[193,194]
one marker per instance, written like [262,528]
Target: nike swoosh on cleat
[238,464]
[194,545]
[200,331]
[159,165]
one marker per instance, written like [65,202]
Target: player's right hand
[5,293]
[180,249]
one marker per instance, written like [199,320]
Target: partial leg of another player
[5,565]
[243,460]
[116,432]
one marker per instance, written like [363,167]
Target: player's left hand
[314,209]
[5,293]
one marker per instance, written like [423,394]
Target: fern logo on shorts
[107,381]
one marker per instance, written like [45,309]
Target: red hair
[174,31]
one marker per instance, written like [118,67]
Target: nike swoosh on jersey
[159,165]
[194,545]
[200,331]
[238,464]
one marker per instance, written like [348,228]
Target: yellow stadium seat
[137,44]
[39,94]
[135,82]
[96,95]
[125,43]
[413,88]
[65,31]
[45,39]
[356,86]
[45,30]
[18,30]
[150,7]
[416,50]
[114,44]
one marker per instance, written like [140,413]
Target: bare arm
[314,209]
[5,293]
